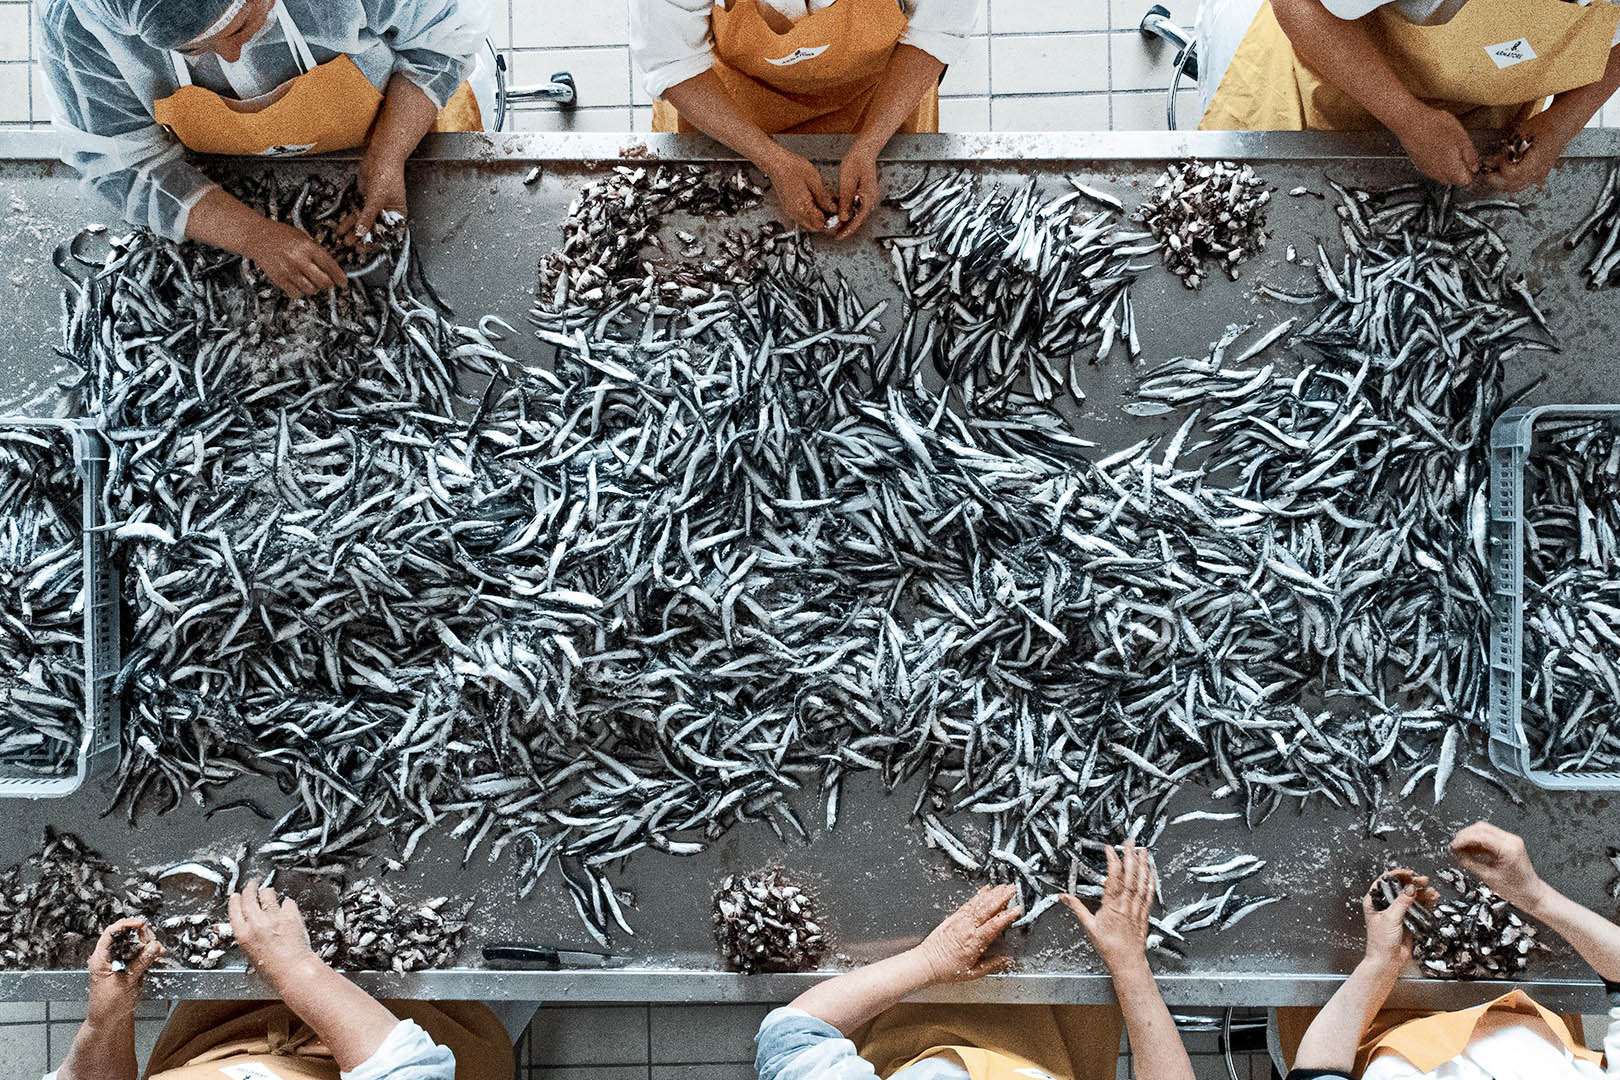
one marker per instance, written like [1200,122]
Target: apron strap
[302,55]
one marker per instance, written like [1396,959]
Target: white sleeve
[408,1053]
[1353,9]
[1611,1040]
[941,28]
[670,41]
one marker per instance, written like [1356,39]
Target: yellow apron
[817,77]
[329,106]
[255,1040]
[1425,1039]
[1033,1042]
[1473,66]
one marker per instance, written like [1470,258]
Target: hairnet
[165,24]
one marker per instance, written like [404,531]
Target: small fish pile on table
[1012,288]
[764,921]
[54,906]
[1474,935]
[1210,216]
[42,598]
[732,546]
[1571,628]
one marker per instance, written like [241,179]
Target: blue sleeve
[434,41]
[107,132]
[793,1045]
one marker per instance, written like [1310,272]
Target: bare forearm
[102,1050]
[910,73]
[851,1000]
[705,102]
[1594,937]
[224,221]
[1333,1037]
[1343,52]
[406,115]
[1156,1046]
[351,1023]
[1573,108]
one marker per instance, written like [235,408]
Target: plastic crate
[103,717]
[1512,437]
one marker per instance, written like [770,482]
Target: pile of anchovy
[1571,620]
[124,948]
[615,248]
[1476,935]
[1602,226]
[368,929]
[763,922]
[1018,286]
[55,904]
[42,598]
[1210,216]
[732,546]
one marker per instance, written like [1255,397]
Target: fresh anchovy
[1235,869]
[124,949]
[765,922]
[42,600]
[370,929]
[1207,214]
[1602,225]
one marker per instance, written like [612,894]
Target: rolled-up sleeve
[107,132]
[434,41]
[407,1054]
[670,41]
[941,28]
[793,1045]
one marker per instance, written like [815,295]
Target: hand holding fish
[271,930]
[799,188]
[954,951]
[1389,943]
[859,189]
[1118,929]
[115,987]
[292,260]
[1499,859]
[1538,144]
[1439,146]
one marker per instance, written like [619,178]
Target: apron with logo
[328,106]
[816,77]
[1492,65]
[1032,1042]
[250,1040]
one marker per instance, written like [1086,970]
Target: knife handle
[518,956]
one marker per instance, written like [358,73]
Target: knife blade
[525,956]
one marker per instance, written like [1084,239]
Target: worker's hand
[113,994]
[859,189]
[1388,942]
[271,931]
[954,952]
[292,260]
[1439,146]
[1499,859]
[799,189]
[1119,927]
[381,183]
[1549,133]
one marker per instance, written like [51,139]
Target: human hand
[954,951]
[860,189]
[270,930]
[799,189]
[1547,136]
[1388,941]
[113,993]
[1118,929]
[292,260]
[1439,146]
[381,183]
[1499,859]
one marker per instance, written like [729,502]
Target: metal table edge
[666,986]
[40,144]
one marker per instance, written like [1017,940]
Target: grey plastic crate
[103,718]
[1512,437]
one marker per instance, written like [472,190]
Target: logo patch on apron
[798,56]
[1512,52]
[249,1072]
[287,150]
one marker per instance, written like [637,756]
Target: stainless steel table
[482,232]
